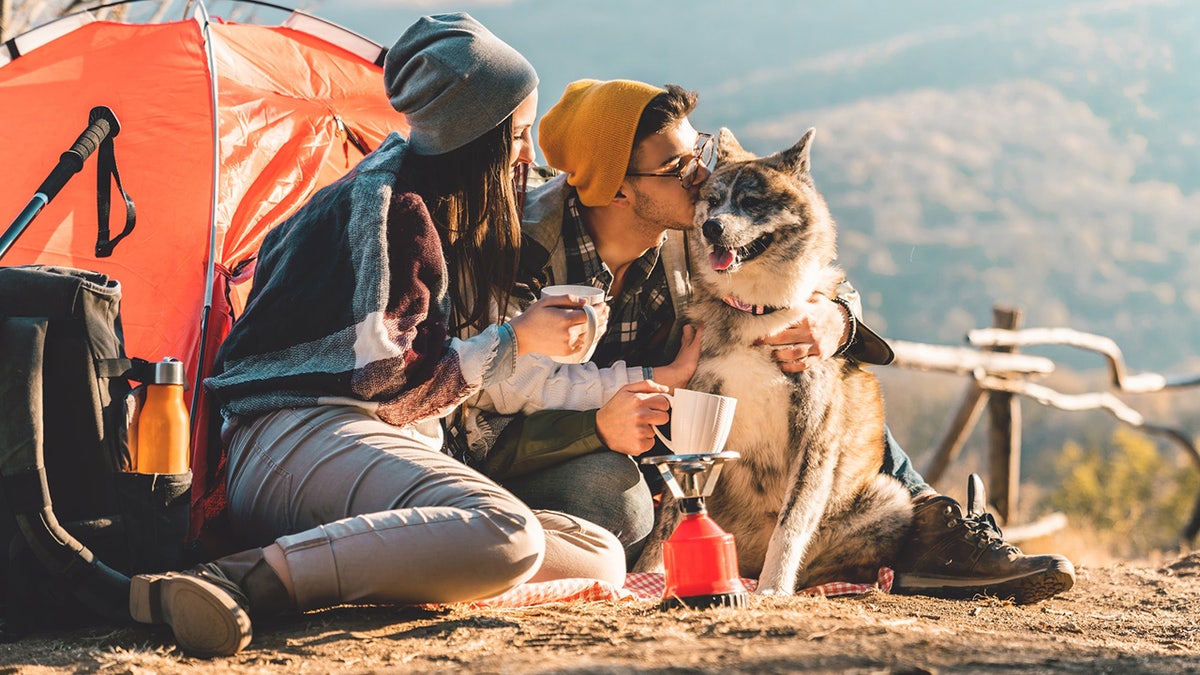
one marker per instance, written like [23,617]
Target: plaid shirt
[640,319]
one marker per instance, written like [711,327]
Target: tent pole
[210,268]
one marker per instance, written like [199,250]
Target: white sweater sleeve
[540,383]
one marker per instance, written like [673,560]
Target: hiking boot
[952,555]
[208,607]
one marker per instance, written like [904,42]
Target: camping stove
[700,558]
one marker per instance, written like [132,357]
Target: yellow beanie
[589,134]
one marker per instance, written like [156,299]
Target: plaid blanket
[646,586]
[350,305]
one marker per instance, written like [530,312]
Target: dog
[806,501]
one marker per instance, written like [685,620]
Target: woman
[333,381]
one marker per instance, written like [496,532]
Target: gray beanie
[454,81]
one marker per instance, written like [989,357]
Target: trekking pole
[102,124]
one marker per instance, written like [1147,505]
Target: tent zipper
[350,135]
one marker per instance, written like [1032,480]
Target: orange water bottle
[162,424]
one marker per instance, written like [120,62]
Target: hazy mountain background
[1038,154]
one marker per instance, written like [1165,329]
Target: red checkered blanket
[644,586]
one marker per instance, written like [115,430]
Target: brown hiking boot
[208,607]
[952,555]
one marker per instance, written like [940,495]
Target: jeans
[604,487]
[897,463]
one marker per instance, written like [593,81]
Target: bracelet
[647,373]
[852,321]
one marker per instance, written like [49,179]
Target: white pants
[369,512]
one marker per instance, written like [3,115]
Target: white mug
[700,422]
[594,296]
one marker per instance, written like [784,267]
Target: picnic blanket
[646,586]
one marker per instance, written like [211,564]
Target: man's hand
[679,372]
[626,423]
[818,334]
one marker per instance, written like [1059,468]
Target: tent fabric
[287,101]
[296,106]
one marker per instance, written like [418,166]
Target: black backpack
[73,525]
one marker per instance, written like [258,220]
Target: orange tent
[294,106]
[225,129]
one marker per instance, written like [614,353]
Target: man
[631,166]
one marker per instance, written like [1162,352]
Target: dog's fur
[806,502]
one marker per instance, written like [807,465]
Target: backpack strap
[110,368]
[138,370]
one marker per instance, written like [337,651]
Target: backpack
[73,524]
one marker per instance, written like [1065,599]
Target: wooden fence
[999,374]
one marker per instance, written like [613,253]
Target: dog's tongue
[720,258]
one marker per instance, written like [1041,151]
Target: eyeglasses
[701,155]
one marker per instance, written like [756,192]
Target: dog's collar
[747,307]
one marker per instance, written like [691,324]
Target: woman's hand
[678,373]
[556,326]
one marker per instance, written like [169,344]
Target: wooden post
[1004,433]
[964,420]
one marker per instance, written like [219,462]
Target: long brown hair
[469,193]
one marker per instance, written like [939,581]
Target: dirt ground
[1121,617]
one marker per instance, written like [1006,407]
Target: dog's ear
[728,148]
[795,159]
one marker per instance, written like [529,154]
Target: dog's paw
[771,589]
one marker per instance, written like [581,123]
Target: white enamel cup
[700,422]
[594,297]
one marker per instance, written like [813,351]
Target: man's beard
[655,218]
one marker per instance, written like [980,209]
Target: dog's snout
[712,229]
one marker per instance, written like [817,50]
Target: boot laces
[213,574]
[985,532]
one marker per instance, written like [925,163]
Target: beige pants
[369,512]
